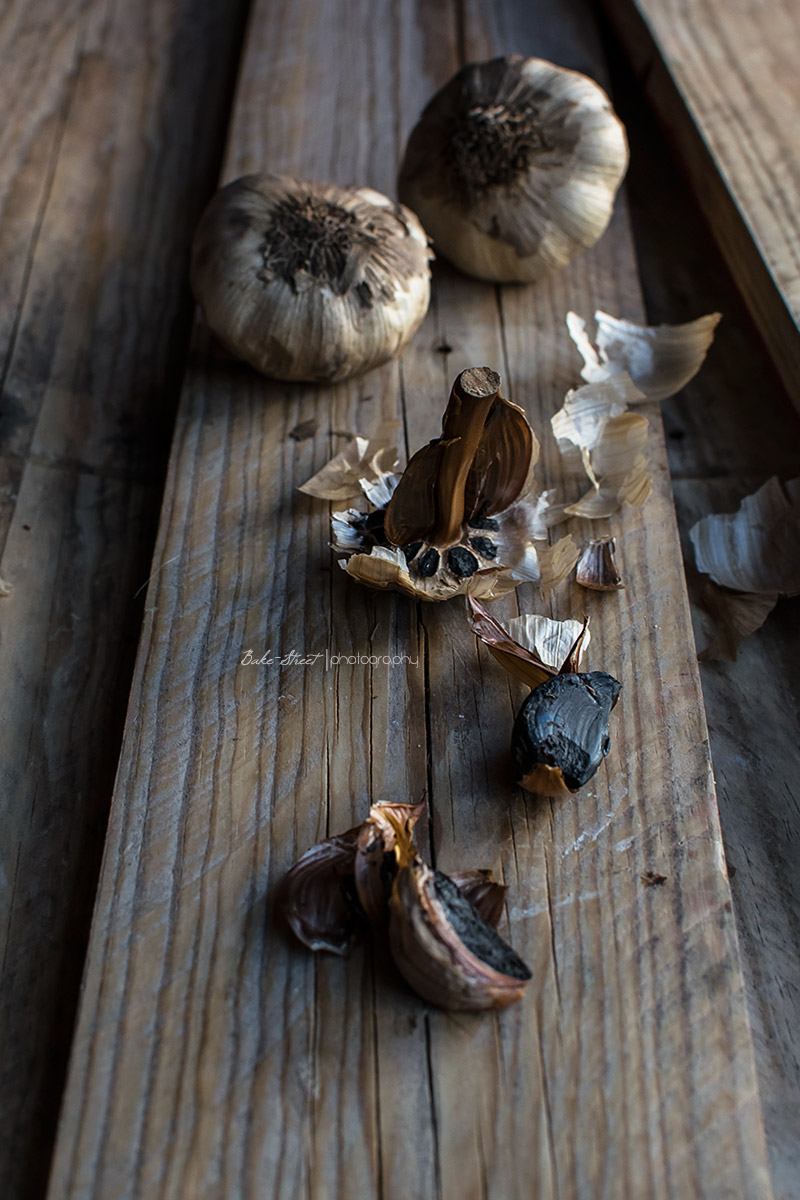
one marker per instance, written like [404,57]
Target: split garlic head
[461,515]
[309,281]
[513,168]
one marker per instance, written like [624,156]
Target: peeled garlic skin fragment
[560,736]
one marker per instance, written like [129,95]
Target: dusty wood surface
[214,1058]
[110,128]
[723,78]
[731,429]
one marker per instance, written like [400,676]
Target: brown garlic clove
[316,895]
[375,861]
[597,566]
[309,281]
[513,167]
[442,946]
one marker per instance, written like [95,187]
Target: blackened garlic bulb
[309,281]
[513,167]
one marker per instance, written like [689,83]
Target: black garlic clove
[560,736]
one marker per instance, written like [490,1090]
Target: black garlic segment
[442,945]
[560,736]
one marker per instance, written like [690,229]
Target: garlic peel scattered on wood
[363,462]
[513,167]
[596,433]
[534,648]
[310,281]
[752,557]
[660,359]
[757,548]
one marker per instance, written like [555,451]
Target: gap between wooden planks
[214,1058]
[723,79]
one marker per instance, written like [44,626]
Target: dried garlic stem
[474,392]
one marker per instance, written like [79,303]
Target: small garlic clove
[597,566]
[483,891]
[513,167]
[316,895]
[660,359]
[309,281]
[560,736]
[442,946]
[375,861]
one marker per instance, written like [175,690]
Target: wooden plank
[723,79]
[112,130]
[214,1058]
[723,446]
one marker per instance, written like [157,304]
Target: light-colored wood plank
[214,1058]
[111,131]
[723,78]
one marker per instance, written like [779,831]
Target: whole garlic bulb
[513,167]
[309,281]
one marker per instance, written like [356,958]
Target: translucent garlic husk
[660,359]
[751,558]
[513,168]
[309,281]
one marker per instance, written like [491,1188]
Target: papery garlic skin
[660,359]
[513,168]
[309,281]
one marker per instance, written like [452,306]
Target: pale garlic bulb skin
[309,281]
[513,168]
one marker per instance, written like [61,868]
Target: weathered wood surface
[111,131]
[731,429]
[211,1056]
[723,78]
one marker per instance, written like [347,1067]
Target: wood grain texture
[723,79]
[110,128]
[212,1056]
[731,429]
